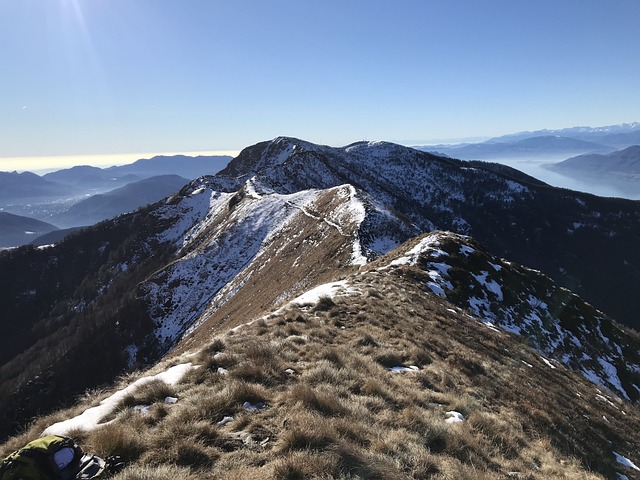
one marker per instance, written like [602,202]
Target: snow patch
[454,417]
[548,363]
[313,296]
[91,418]
[621,459]
[466,250]
[430,243]
[490,285]
[402,368]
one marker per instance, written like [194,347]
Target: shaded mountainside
[621,165]
[24,186]
[18,230]
[71,312]
[89,177]
[525,147]
[283,217]
[121,200]
[51,238]
[370,377]
[182,165]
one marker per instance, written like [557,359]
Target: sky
[83,80]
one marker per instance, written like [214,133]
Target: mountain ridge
[544,146]
[360,378]
[230,248]
[611,133]
[621,164]
[432,197]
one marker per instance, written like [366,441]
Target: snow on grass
[358,212]
[254,407]
[591,376]
[190,211]
[430,243]
[490,285]
[466,250]
[528,315]
[490,326]
[454,417]
[606,400]
[608,378]
[250,188]
[357,258]
[313,296]
[308,299]
[203,280]
[621,459]
[610,373]
[91,418]
[437,289]
[516,187]
[438,281]
[224,421]
[547,362]
[402,368]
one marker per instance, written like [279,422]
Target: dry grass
[333,410]
[162,472]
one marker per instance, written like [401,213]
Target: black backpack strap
[6,465]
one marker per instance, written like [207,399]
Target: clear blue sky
[120,76]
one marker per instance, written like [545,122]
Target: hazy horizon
[45,164]
[42,164]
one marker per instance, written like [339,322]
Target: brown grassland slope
[328,405]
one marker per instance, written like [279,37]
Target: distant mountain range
[615,136]
[619,165]
[526,147]
[535,153]
[566,141]
[83,195]
[26,186]
[103,179]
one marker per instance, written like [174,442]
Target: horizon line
[41,164]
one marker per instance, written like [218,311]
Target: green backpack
[51,458]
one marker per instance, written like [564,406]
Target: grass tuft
[324,402]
